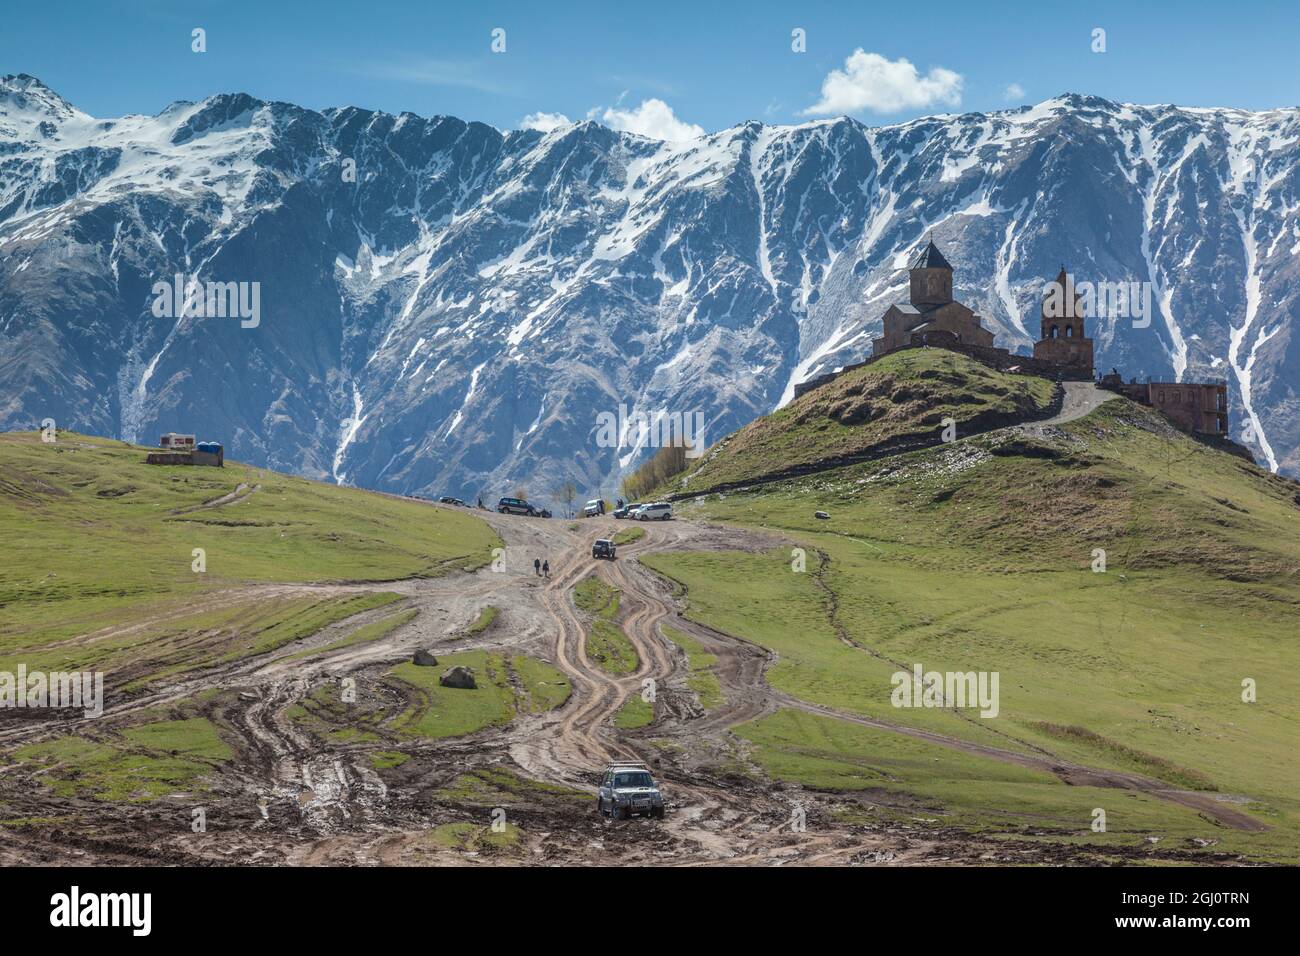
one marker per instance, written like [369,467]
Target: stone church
[930,316]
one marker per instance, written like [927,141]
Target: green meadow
[986,556]
[99,565]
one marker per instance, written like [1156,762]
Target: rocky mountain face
[445,308]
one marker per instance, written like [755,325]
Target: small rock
[424,658]
[458,676]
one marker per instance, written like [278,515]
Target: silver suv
[628,788]
[658,511]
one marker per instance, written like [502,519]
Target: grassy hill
[980,556]
[895,404]
[97,568]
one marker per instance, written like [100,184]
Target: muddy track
[291,796]
[242,491]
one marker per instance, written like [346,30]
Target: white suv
[659,511]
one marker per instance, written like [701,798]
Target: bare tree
[566,493]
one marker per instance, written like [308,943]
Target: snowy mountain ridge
[448,308]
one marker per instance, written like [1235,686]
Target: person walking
[537,566]
[546,569]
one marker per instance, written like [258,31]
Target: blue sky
[708,65]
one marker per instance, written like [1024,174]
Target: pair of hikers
[541,567]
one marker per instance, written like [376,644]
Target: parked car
[626,510]
[516,506]
[603,548]
[596,506]
[449,500]
[627,789]
[659,511]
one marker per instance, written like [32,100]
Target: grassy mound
[411,703]
[895,403]
[607,645]
[507,686]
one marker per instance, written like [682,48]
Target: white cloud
[869,81]
[544,122]
[653,118]
[1014,92]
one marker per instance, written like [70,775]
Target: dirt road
[290,796]
[1079,399]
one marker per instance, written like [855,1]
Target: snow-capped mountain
[446,308]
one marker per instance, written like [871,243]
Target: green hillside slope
[99,550]
[980,556]
[897,403]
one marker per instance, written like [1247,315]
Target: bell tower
[1062,312]
[1063,341]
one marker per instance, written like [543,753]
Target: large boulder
[458,676]
[424,658]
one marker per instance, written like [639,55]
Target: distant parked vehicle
[516,506]
[449,500]
[659,511]
[603,548]
[594,507]
[175,442]
[626,510]
[628,788]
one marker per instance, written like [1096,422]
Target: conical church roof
[930,258]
